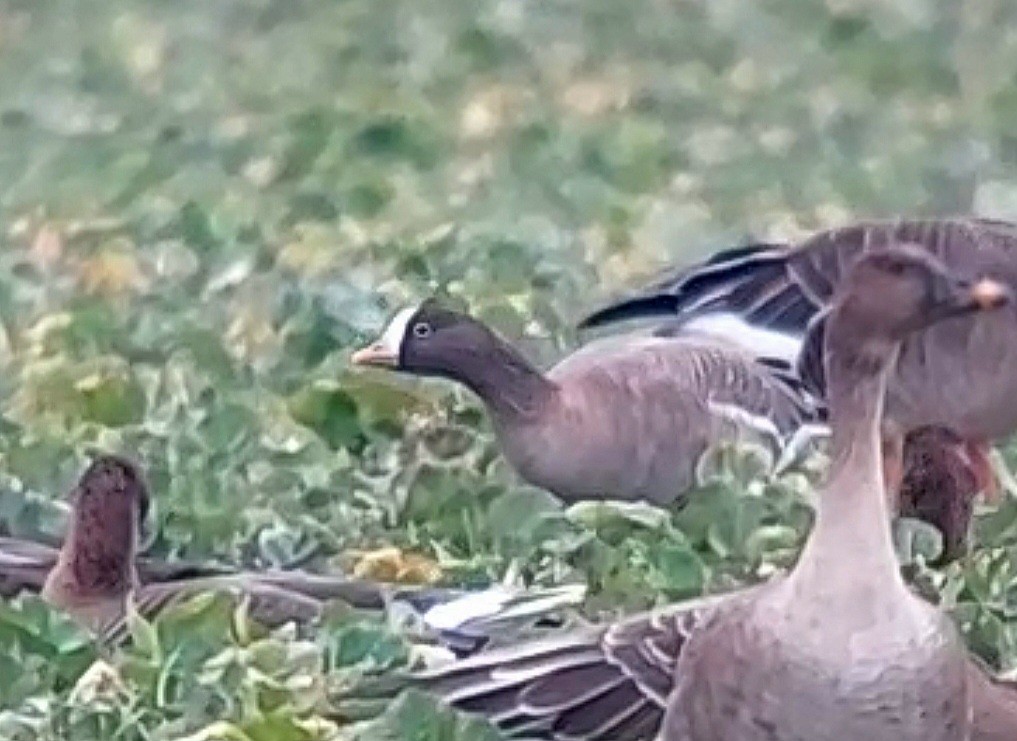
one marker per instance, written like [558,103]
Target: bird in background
[96,572]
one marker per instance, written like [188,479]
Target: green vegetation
[205,205]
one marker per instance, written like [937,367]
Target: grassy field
[205,205]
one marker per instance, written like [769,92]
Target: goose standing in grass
[837,649]
[960,374]
[96,572]
[627,418]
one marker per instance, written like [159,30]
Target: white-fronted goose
[960,374]
[837,649]
[626,418]
[96,572]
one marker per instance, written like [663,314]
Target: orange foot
[979,455]
[893,466]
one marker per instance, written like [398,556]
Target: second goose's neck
[509,384]
[851,541]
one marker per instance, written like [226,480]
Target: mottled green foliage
[205,206]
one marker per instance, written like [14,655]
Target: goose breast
[739,678]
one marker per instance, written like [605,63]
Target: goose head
[893,292]
[428,340]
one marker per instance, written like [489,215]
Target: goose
[96,572]
[838,648]
[626,418]
[960,374]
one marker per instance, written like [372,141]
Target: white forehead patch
[392,338]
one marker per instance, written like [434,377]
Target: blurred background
[204,206]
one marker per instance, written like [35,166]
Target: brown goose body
[625,418]
[940,485]
[839,648]
[771,668]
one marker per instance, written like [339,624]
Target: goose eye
[422,330]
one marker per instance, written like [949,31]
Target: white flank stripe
[745,419]
[761,341]
[804,438]
[453,614]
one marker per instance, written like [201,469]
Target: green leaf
[330,412]
[144,636]
[678,571]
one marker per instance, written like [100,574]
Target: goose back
[598,684]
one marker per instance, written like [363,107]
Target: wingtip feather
[640,307]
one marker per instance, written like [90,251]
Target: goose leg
[980,453]
[893,465]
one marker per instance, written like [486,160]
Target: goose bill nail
[989,294]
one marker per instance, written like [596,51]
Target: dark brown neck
[505,381]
